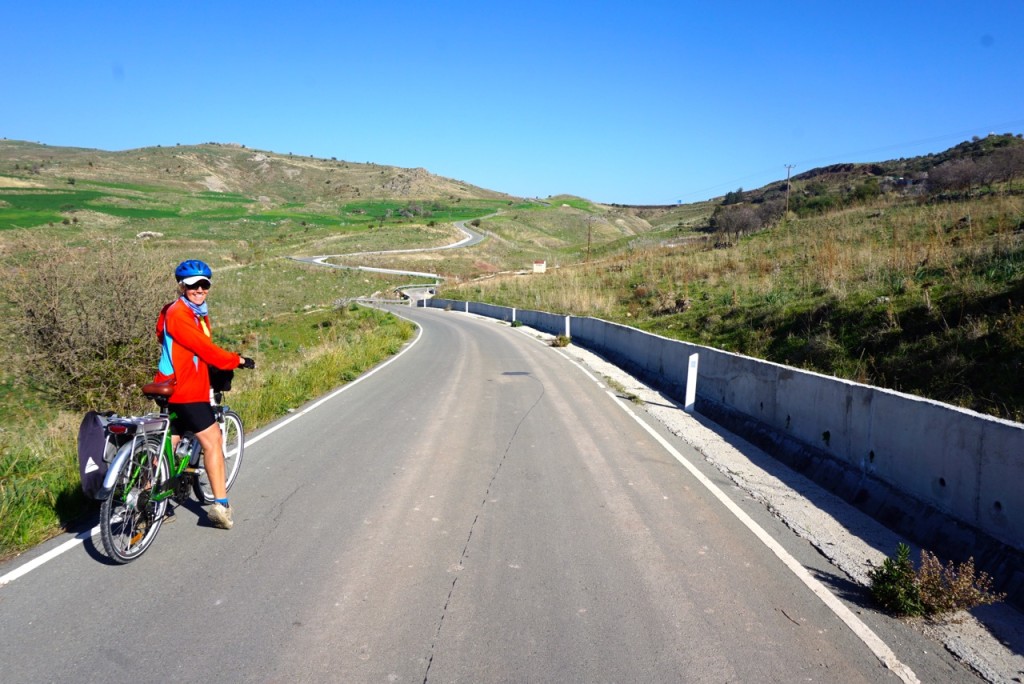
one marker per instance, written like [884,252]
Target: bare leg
[213,459]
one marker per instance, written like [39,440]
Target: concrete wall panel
[501,313]
[552,324]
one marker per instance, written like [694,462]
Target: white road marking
[35,563]
[48,556]
[878,647]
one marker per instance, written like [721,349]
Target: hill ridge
[234,168]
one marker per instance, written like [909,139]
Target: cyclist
[187,352]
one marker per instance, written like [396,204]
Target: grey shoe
[220,516]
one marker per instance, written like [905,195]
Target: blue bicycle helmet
[191,270]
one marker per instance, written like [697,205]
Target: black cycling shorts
[192,417]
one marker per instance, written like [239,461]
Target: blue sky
[628,102]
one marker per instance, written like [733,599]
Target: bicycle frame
[141,429]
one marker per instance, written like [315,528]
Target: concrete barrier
[502,313]
[964,464]
[552,324]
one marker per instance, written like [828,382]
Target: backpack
[93,456]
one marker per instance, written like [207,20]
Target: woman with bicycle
[187,353]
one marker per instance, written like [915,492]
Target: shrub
[893,584]
[733,197]
[561,341]
[85,320]
[949,588]
[934,589]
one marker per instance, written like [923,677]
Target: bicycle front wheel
[233,438]
[129,517]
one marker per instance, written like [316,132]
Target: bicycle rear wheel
[129,517]
[233,437]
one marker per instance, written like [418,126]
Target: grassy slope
[922,296]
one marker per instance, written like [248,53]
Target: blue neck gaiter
[200,311]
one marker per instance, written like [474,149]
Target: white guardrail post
[691,384]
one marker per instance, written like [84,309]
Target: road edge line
[875,644]
[80,538]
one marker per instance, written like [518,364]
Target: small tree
[958,175]
[735,221]
[733,197]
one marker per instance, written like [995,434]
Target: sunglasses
[202,284]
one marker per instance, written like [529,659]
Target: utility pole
[789,167]
[590,221]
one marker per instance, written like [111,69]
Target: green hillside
[906,274]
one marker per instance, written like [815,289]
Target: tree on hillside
[1005,164]
[957,175]
[770,211]
[733,197]
[961,175]
[734,221]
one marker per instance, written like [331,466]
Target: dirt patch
[6,182]
[485,267]
[97,219]
[215,184]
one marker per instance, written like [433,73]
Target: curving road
[479,509]
[471,238]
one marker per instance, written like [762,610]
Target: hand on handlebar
[247,363]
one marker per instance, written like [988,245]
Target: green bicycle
[146,474]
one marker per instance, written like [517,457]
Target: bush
[893,584]
[933,590]
[85,321]
[953,587]
[561,341]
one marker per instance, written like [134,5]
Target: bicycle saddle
[159,389]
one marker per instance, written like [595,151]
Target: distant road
[471,238]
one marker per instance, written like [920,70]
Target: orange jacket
[188,351]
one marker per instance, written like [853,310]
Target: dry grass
[919,297]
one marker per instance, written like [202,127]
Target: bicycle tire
[129,519]
[233,436]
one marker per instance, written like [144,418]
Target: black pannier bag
[93,459]
[220,380]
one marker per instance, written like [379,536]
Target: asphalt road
[479,510]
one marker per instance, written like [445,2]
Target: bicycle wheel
[234,443]
[129,518]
